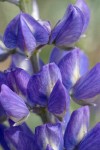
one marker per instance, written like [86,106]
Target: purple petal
[25,33]
[65,120]
[3,141]
[13,105]
[92,139]
[46,25]
[10,36]
[81,4]
[72,66]
[88,86]
[21,61]
[69,28]
[18,79]
[49,147]
[20,139]
[25,38]
[49,134]
[59,100]
[3,115]
[40,32]
[57,54]
[40,85]
[76,128]
[3,79]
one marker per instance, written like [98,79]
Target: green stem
[22,5]
[35,61]
[41,112]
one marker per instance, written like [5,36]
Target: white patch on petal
[82,132]
[76,74]
[30,26]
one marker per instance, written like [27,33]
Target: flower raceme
[71,27]
[82,82]
[48,89]
[49,136]
[25,33]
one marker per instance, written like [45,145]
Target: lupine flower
[13,105]
[72,64]
[25,33]
[47,136]
[81,4]
[57,54]
[17,80]
[74,23]
[77,135]
[87,87]
[47,92]
[21,137]
[91,140]
[46,89]
[77,128]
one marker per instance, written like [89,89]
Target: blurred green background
[53,10]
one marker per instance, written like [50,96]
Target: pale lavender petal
[49,147]
[41,85]
[25,33]
[88,86]
[59,100]
[92,139]
[13,105]
[72,66]
[57,54]
[49,134]
[81,4]
[19,138]
[17,80]
[69,28]
[77,127]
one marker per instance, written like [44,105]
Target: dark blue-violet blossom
[49,136]
[21,137]
[26,33]
[77,127]
[77,135]
[87,87]
[46,90]
[83,84]
[17,80]
[13,105]
[72,64]
[73,24]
